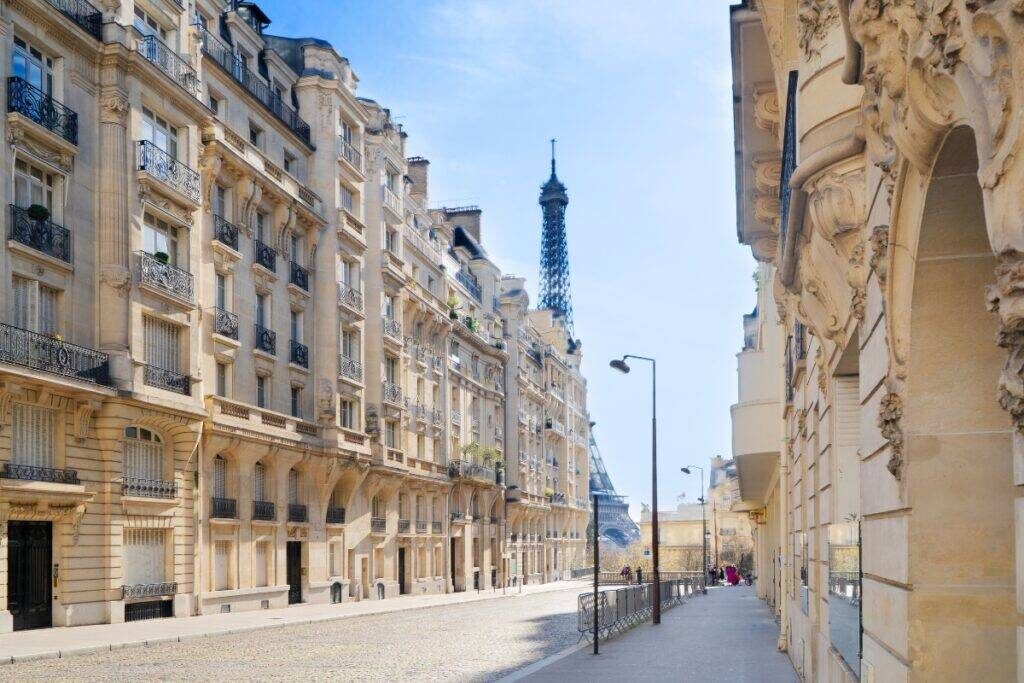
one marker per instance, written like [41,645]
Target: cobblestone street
[476,641]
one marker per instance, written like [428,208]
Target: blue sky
[639,97]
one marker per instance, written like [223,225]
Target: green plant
[548,492]
[453,302]
[38,212]
[471,323]
[162,256]
[490,455]
[499,344]
[472,451]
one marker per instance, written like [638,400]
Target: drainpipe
[783,643]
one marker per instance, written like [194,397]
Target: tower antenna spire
[553,140]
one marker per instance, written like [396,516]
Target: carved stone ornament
[114,108]
[766,109]
[1006,297]
[116,277]
[822,367]
[879,261]
[815,18]
[890,412]
[857,276]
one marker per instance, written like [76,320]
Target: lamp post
[621,366]
[704,523]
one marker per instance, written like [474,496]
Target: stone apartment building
[877,433]
[243,363]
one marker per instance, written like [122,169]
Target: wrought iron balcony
[298,353]
[35,105]
[43,235]
[469,281]
[437,417]
[257,87]
[463,469]
[350,296]
[148,488]
[50,354]
[437,364]
[168,61]
[378,525]
[456,418]
[223,508]
[168,170]
[149,590]
[165,277]
[297,513]
[35,473]
[161,378]
[299,276]
[83,14]
[392,393]
[265,255]
[393,329]
[352,155]
[264,511]
[558,498]
[224,232]
[421,527]
[225,323]
[435,527]
[335,515]
[266,340]
[403,526]
[351,368]
[459,516]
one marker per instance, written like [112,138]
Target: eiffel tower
[614,525]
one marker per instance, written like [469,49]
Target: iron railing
[352,155]
[788,155]
[469,281]
[225,323]
[168,170]
[299,276]
[35,473]
[463,469]
[421,527]
[35,105]
[266,340]
[298,353]
[82,13]
[265,255]
[335,515]
[148,488]
[168,61]
[43,235]
[456,418]
[162,378]
[435,527]
[297,513]
[393,328]
[223,508]
[257,87]
[224,232]
[149,590]
[436,417]
[378,525]
[264,511]
[50,354]
[459,516]
[350,296]
[165,277]
[618,609]
[403,526]
[350,367]
[392,392]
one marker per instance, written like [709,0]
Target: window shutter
[47,310]
[161,339]
[219,483]
[220,565]
[260,564]
[293,487]
[32,438]
[259,482]
[142,460]
[144,560]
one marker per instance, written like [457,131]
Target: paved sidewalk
[727,635]
[65,642]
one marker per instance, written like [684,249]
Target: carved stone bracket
[84,411]
[890,412]
[879,261]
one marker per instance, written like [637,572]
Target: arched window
[293,487]
[259,482]
[220,478]
[143,454]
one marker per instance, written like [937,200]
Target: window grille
[144,556]
[32,435]
[161,339]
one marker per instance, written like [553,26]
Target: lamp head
[684,470]
[620,365]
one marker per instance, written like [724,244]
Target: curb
[531,669]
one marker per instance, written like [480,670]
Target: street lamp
[621,366]
[704,522]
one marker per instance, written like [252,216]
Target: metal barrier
[616,578]
[619,609]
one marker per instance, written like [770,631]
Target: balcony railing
[35,105]
[299,276]
[148,488]
[43,235]
[351,368]
[223,508]
[297,513]
[403,526]
[265,255]
[378,525]
[456,418]
[264,511]
[463,469]
[162,378]
[165,277]
[437,417]
[391,200]
[50,354]
[224,232]
[335,515]
[168,61]
[459,516]
[393,328]
[35,473]
[350,296]
[168,170]
[225,323]
[266,340]
[392,393]
[352,155]
[469,281]
[298,353]
[435,527]
[149,590]
[83,14]
[421,527]
[257,87]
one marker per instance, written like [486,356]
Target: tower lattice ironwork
[554,248]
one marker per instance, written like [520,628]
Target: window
[389,307]
[161,340]
[32,185]
[221,555]
[220,482]
[261,310]
[293,487]
[349,344]
[143,454]
[222,379]
[32,65]
[259,560]
[421,447]
[147,25]
[391,434]
[155,129]
[261,391]
[348,414]
[391,240]
[377,508]
[391,180]
[220,201]
[431,284]
[255,135]
[34,306]
[289,162]
[391,370]
[144,556]
[350,273]
[32,435]
[214,104]
[159,237]
[345,130]
[348,201]
[261,221]
[259,482]
[296,249]
[296,402]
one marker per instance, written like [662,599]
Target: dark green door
[294,572]
[29,590]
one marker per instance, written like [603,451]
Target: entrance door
[401,572]
[29,591]
[294,572]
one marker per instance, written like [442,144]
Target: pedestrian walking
[639,575]
[627,574]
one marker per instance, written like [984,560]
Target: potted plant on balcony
[471,323]
[453,307]
[549,492]
[499,344]
[38,212]
[162,256]
[471,451]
